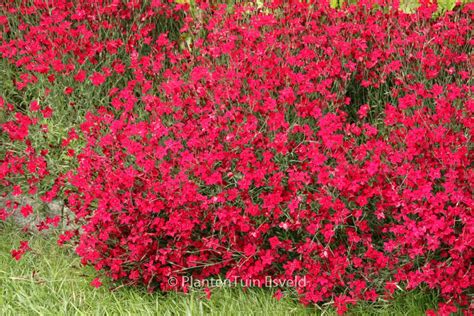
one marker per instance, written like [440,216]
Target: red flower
[97,79]
[47,112]
[34,106]
[96,283]
[26,210]
[278,295]
[208,293]
[80,76]
[18,253]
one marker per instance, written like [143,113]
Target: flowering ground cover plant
[291,141]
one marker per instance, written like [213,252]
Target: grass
[51,281]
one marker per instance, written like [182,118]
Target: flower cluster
[292,141]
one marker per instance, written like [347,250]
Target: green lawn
[51,281]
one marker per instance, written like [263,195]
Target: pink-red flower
[96,283]
[97,78]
